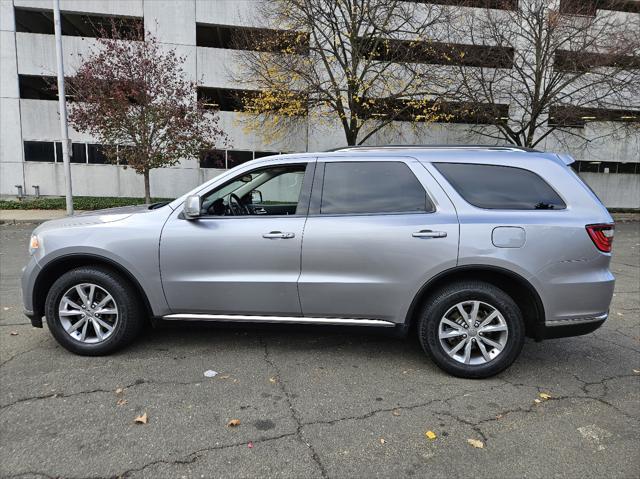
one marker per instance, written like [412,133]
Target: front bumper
[562,328]
[29,275]
[36,319]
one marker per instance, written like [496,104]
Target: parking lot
[316,403]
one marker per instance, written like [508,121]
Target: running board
[280,319]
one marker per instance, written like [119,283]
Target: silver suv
[473,248]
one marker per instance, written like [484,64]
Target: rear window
[372,187]
[500,187]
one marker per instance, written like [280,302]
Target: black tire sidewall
[128,310]
[442,301]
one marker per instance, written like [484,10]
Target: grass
[79,203]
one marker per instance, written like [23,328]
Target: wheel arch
[57,267]
[519,288]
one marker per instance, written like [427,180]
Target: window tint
[372,187]
[500,187]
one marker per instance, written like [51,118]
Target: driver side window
[267,191]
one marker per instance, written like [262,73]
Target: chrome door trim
[280,319]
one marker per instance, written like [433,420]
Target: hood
[108,215]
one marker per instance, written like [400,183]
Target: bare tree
[551,67]
[350,61]
[133,96]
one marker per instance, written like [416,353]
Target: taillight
[602,236]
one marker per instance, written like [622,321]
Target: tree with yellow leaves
[335,61]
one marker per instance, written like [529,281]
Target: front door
[243,255]
[376,232]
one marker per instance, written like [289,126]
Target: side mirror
[192,207]
[256,197]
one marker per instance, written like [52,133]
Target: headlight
[34,244]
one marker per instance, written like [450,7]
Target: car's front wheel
[93,311]
[472,329]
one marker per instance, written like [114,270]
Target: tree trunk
[147,187]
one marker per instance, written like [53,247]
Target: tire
[61,315]
[492,301]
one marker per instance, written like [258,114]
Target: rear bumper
[562,328]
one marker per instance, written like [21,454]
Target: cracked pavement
[315,402]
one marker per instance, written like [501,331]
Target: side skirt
[279,319]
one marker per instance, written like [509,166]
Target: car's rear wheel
[93,311]
[472,329]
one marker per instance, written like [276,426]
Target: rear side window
[500,187]
[372,187]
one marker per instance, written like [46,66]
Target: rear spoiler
[565,158]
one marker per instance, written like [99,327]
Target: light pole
[62,104]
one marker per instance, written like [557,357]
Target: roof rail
[434,147]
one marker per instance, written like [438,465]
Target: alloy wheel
[88,313]
[473,332]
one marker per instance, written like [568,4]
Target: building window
[222,159]
[237,157]
[577,117]
[39,151]
[235,37]
[606,167]
[569,61]
[224,99]
[78,153]
[262,154]
[496,4]
[76,24]
[95,154]
[450,112]
[435,53]
[590,7]
[35,87]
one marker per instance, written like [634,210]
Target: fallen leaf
[537,401]
[210,373]
[382,441]
[545,396]
[395,412]
[250,445]
[226,376]
[476,443]
[430,435]
[499,416]
[637,371]
[121,402]
[273,380]
[142,419]
[119,391]
[233,423]
[13,333]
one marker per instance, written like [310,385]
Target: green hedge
[79,203]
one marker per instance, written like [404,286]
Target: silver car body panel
[347,266]
[371,265]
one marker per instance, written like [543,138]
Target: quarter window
[500,187]
[372,187]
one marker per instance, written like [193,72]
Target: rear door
[377,231]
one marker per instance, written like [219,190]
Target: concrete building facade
[30,152]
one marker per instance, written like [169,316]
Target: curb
[10,222]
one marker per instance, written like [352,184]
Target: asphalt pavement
[313,402]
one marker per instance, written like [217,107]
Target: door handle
[278,235]
[429,234]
